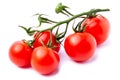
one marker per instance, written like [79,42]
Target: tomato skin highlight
[44,60]
[80,46]
[99,27]
[45,37]
[20,54]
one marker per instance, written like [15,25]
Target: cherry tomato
[45,38]
[44,60]
[20,54]
[80,46]
[99,27]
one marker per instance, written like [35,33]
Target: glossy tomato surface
[80,46]
[99,27]
[20,54]
[45,60]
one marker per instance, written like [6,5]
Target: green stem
[50,41]
[68,12]
[52,21]
[79,28]
[63,35]
[87,13]
[74,17]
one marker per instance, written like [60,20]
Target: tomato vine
[61,9]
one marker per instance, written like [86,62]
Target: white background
[104,65]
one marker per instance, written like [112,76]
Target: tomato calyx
[60,8]
[42,19]
[28,42]
[28,30]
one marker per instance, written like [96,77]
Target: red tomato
[80,46]
[99,27]
[20,54]
[44,60]
[45,37]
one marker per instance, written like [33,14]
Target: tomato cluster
[43,59]
[41,53]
